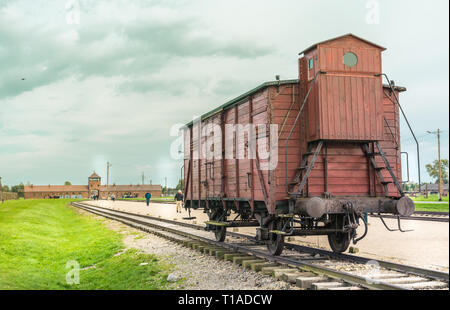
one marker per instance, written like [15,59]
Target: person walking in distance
[179,200]
[147,198]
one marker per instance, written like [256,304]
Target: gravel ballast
[198,271]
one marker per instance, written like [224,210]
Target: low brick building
[94,187]
[434,188]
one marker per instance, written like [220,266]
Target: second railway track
[422,216]
[307,267]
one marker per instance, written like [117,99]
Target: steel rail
[338,275]
[438,275]
[415,218]
[431,212]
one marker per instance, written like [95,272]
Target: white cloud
[113,85]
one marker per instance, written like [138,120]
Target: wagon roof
[340,37]
[236,100]
[397,88]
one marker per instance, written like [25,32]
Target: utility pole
[438,132]
[165,186]
[107,179]
[142,178]
[440,167]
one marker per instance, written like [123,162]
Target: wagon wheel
[339,241]
[275,243]
[219,231]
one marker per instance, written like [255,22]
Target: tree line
[19,189]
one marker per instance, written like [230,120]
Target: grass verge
[433,197]
[39,237]
[431,207]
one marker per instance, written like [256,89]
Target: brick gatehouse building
[94,187]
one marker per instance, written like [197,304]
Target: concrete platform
[427,246]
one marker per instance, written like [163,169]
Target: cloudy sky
[90,81]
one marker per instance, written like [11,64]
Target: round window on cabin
[350,59]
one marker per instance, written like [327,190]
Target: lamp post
[438,133]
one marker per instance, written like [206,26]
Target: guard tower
[94,183]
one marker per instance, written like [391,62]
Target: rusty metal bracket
[398,223]
[384,223]
[365,230]
[400,227]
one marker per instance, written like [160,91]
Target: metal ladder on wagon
[305,168]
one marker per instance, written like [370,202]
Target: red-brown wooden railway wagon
[302,157]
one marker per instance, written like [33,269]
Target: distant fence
[8,196]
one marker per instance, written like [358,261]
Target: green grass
[433,197]
[38,238]
[431,207]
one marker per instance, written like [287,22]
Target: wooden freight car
[302,157]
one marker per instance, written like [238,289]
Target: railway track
[308,268]
[422,216]
[418,215]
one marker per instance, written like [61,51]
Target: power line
[423,138]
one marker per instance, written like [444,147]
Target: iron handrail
[407,122]
[295,123]
[407,166]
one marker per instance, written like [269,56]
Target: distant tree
[433,170]
[411,186]
[19,189]
[67,183]
[5,188]
[406,187]
[180,185]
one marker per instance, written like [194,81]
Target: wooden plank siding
[347,107]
